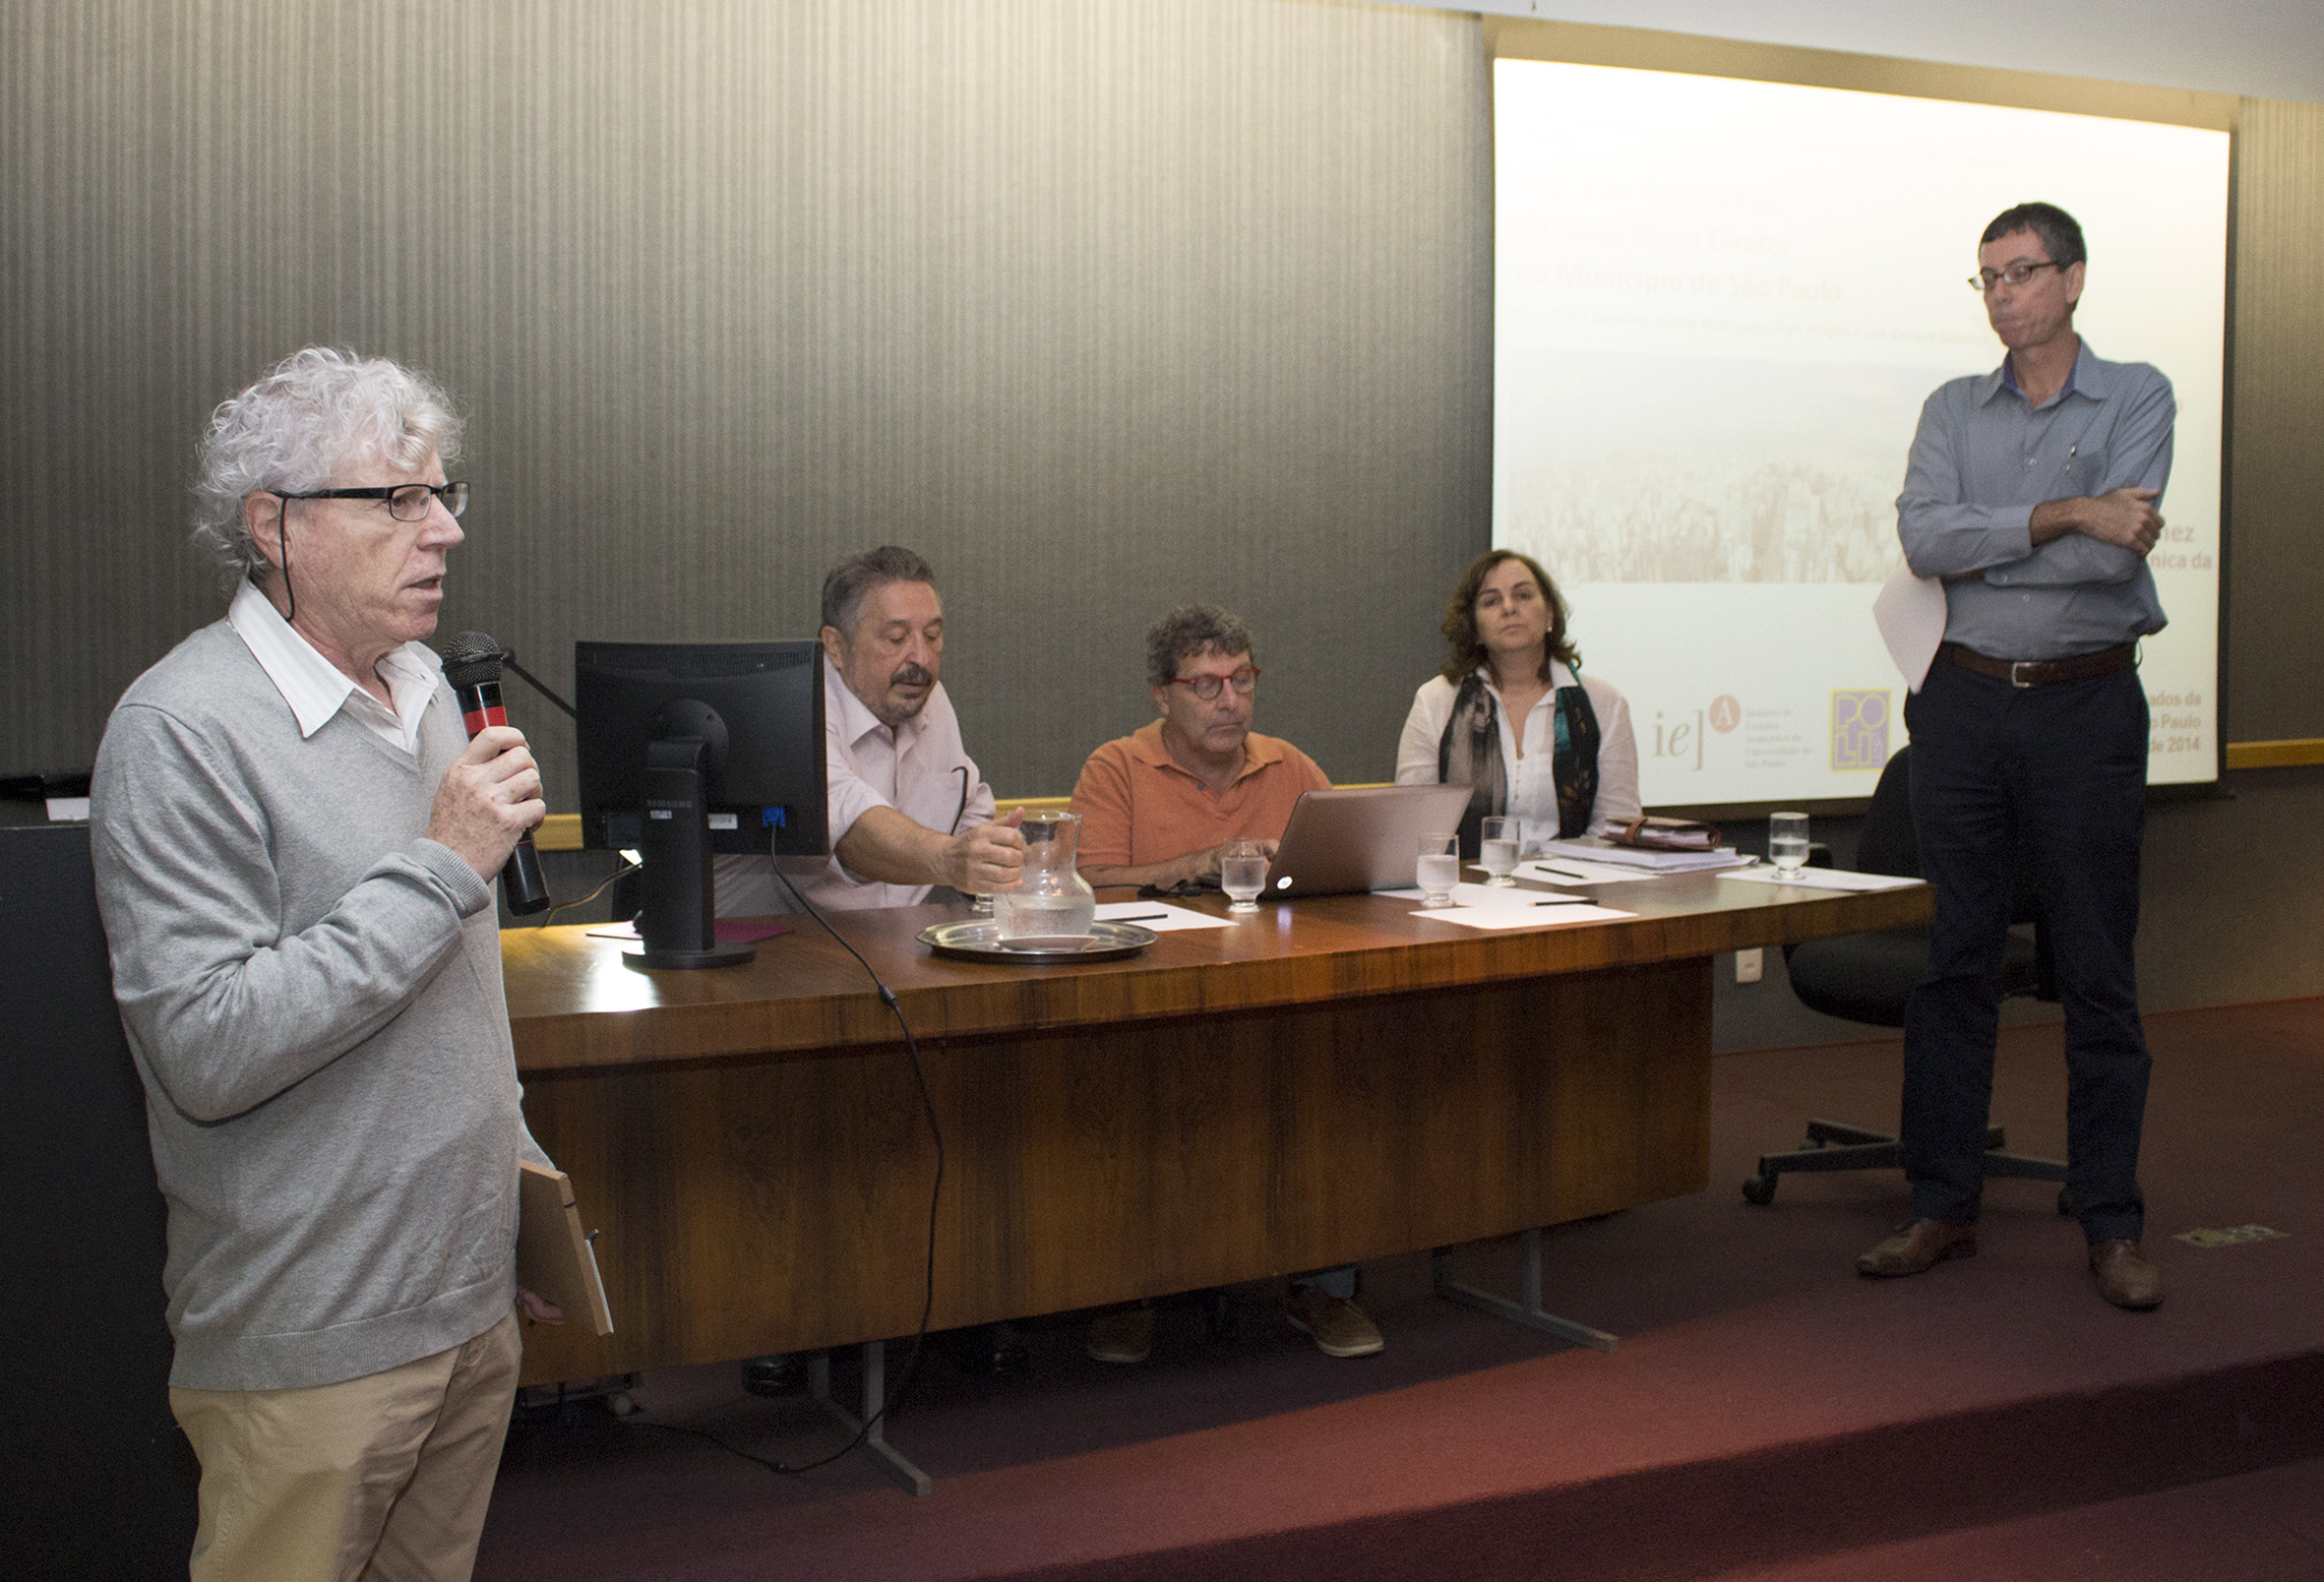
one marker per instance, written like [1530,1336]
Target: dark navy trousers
[2062,769]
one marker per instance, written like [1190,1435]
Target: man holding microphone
[295,843]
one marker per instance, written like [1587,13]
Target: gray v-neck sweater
[312,993]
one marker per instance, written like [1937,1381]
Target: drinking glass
[1242,873]
[1786,843]
[1438,869]
[1496,851]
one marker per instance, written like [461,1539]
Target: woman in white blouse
[1510,718]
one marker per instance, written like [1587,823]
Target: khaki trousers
[385,1477]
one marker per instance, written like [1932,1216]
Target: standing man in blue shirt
[2032,492]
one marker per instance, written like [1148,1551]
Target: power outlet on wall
[1749,964]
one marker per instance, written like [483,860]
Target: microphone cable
[508,656]
[904,1381]
[623,872]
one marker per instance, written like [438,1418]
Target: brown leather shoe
[1337,1325]
[1126,1335]
[1919,1246]
[2125,1277]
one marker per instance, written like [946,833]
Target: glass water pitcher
[1053,901]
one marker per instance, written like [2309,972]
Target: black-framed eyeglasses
[2016,275]
[406,502]
[1208,687]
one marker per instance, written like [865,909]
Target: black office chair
[1865,977]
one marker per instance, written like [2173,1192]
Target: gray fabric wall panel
[1102,307]
[2275,642]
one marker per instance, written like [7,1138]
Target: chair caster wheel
[1760,1190]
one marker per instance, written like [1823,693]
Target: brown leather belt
[2043,672]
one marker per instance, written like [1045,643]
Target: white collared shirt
[919,768]
[1533,789]
[316,689]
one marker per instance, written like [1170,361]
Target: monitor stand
[675,917]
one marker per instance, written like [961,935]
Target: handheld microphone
[471,663]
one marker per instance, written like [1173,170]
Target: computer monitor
[688,749]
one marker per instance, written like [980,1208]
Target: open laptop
[1340,843]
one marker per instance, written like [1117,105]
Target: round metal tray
[979,940]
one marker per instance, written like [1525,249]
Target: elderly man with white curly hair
[296,845]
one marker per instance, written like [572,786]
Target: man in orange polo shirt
[1156,805]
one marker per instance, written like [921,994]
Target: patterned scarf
[1469,753]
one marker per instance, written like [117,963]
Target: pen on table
[1137,917]
[1565,901]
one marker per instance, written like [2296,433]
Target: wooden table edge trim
[1014,1002]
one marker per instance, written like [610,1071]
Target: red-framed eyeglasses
[1208,687]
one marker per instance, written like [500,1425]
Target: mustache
[911,675]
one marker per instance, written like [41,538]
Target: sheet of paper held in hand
[1160,915]
[1911,613]
[1486,906]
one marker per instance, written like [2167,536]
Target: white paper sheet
[1643,860]
[1562,872]
[1512,917]
[1839,879]
[1486,896]
[1158,916]
[1911,613]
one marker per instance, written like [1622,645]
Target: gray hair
[2060,235]
[313,411]
[852,580]
[1187,632]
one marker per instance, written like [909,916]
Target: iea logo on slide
[1859,730]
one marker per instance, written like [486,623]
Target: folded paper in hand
[1911,612]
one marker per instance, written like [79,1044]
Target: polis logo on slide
[1860,729]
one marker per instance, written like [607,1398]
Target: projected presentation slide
[1718,306]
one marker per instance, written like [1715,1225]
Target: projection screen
[1718,306]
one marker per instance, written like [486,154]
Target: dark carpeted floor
[1767,1408]
[2260,1527]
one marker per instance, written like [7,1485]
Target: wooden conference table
[1334,1080]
